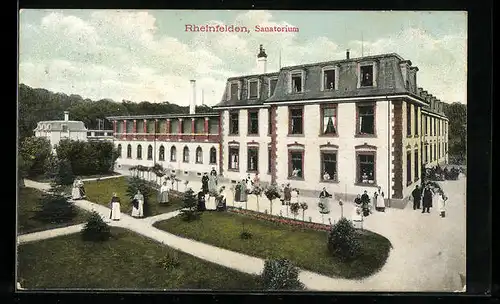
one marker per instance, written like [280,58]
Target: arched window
[119,150]
[139,152]
[161,155]
[150,152]
[185,155]
[199,155]
[213,155]
[173,154]
[129,151]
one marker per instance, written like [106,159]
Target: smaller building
[57,130]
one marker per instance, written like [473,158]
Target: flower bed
[281,220]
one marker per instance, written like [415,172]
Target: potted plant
[272,193]
[294,208]
[304,207]
[323,210]
[257,191]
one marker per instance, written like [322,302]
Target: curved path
[428,254]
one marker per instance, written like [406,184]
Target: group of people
[365,204]
[78,190]
[429,196]
[288,194]
[244,187]
[137,206]
[209,183]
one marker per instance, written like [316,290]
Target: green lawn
[100,192]
[306,248]
[126,261]
[27,208]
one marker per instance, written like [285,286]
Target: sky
[149,56]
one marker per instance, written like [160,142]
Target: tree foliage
[281,274]
[342,240]
[95,229]
[190,210]
[35,152]
[457,130]
[55,208]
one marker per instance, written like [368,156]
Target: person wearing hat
[115,208]
[204,183]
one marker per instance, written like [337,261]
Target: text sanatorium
[239,29]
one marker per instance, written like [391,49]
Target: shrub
[64,175]
[169,261]
[36,151]
[136,183]
[294,209]
[55,208]
[342,240]
[95,230]
[280,274]
[190,206]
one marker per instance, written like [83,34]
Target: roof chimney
[66,115]
[347,54]
[192,103]
[262,60]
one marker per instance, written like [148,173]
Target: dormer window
[329,79]
[297,82]
[234,91]
[272,85]
[366,75]
[253,89]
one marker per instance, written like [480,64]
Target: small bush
[169,261]
[56,209]
[245,235]
[190,210]
[96,229]
[280,274]
[342,240]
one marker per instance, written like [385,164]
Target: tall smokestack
[347,54]
[192,104]
[262,60]
[66,115]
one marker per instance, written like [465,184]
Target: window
[199,155]
[269,121]
[269,160]
[425,125]
[185,155]
[408,120]
[366,119]
[150,126]
[233,123]
[433,132]
[296,164]
[234,91]
[366,167]
[366,75]
[297,82]
[213,155]
[173,154]
[329,166]
[129,151]
[150,152]
[415,120]
[234,158]
[139,152]
[439,150]
[408,167]
[272,86]
[416,164]
[161,155]
[329,79]
[253,122]
[253,159]
[64,128]
[119,150]
[435,150]
[253,89]
[296,120]
[329,120]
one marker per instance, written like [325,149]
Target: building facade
[57,130]
[348,125]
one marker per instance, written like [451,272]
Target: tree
[281,274]
[294,208]
[96,229]
[190,211]
[323,209]
[35,151]
[64,175]
[134,184]
[257,190]
[23,167]
[342,240]
[55,208]
[272,193]
[304,207]
[457,130]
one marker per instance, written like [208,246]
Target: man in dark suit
[427,201]
[417,195]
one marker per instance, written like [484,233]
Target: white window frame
[290,77]
[336,80]
[229,89]
[374,70]
[269,93]
[249,81]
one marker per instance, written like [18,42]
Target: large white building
[56,130]
[348,125]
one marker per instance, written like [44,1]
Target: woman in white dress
[380,204]
[441,199]
[115,208]
[76,191]
[163,194]
[138,212]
